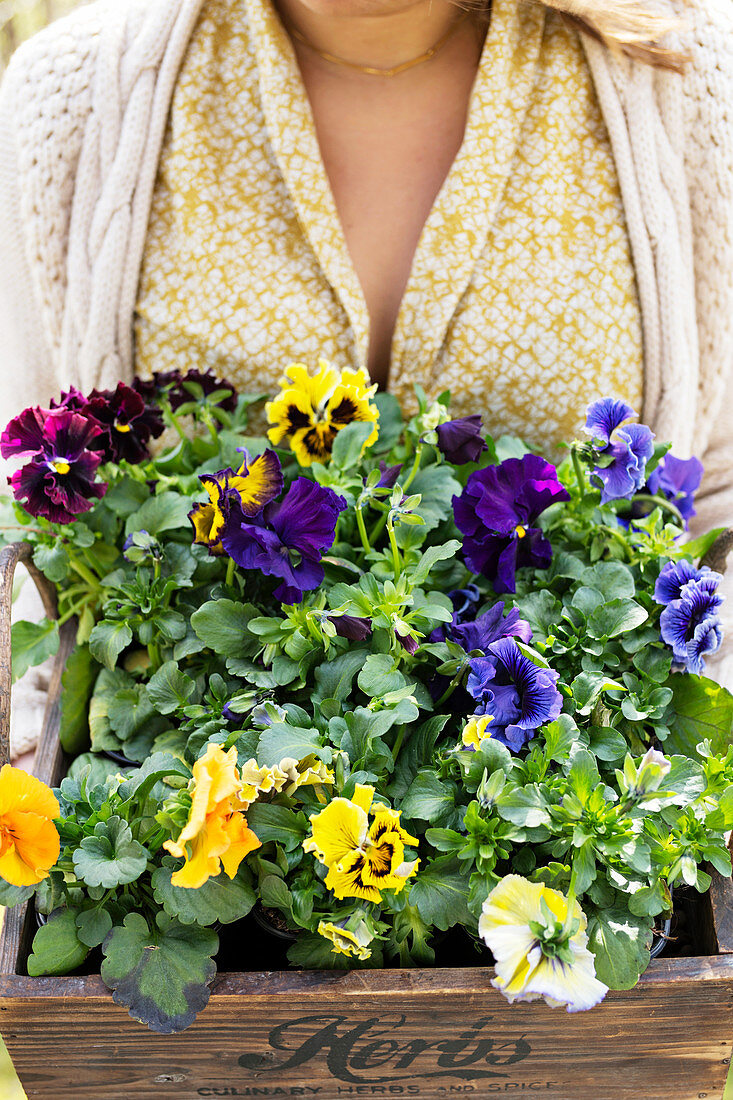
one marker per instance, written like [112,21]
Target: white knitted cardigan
[83,110]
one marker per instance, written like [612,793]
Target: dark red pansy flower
[209,384]
[59,481]
[126,423]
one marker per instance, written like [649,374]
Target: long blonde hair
[631,27]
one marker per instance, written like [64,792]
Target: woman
[503,206]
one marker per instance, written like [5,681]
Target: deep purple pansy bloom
[496,513]
[353,627]
[286,539]
[390,474]
[59,481]
[678,479]
[489,628]
[460,440]
[126,423]
[464,602]
[520,696]
[675,577]
[628,448]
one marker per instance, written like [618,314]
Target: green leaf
[166,512]
[698,548]
[587,686]
[379,675]
[219,899]
[77,682]
[611,578]
[390,421]
[161,974]
[93,926]
[159,765]
[583,776]
[560,736]
[607,743]
[436,486]
[619,940]
[614,618]
[542,612]
[431,557]
[169,688]
[702,709]
[349,444]
[523,806]
[440,894]
[283,740]
[32,644]
[107,641]
[222,627]
[111,857]
[278,823]
[57,948]
[53,561]
[14,895]
[428,798]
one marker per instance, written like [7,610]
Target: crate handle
[10,556]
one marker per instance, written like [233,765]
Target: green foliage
[32,644]
[57,948]
[160,972]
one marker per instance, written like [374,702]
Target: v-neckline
[456,230]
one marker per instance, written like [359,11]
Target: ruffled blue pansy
[520,696]
[625,450]
[689,623]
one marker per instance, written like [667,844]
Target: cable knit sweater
[83,110]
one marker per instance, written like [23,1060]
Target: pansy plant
[379,678]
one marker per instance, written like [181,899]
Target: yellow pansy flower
[474,731]
[362,858]
[216,833]
[345,941]
[309,772]
[311,410]
[539,945]
[254,485]
[29,840]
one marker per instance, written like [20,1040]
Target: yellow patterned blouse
[522,298]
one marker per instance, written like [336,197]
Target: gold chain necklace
[368,69]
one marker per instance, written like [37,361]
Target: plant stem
[395,551]
[398,743]
[229,581]
[451,687]
[362,529]
[661,502]
[415,467]
[580,476]
[85,573]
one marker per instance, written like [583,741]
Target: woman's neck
[363,34]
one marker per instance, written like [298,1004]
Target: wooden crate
[425,1033]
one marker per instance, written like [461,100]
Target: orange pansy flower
[29,840]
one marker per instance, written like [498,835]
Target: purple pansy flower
[59,481]
[678,479]
[489,628]
[520,696]
[690,623]
[390,474]
[126,423]
[496,513]
[691,626]
[287,538]
[461,440]
[626,449]
[353,627]
[675,577]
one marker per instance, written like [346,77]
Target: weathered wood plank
[390,1033]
